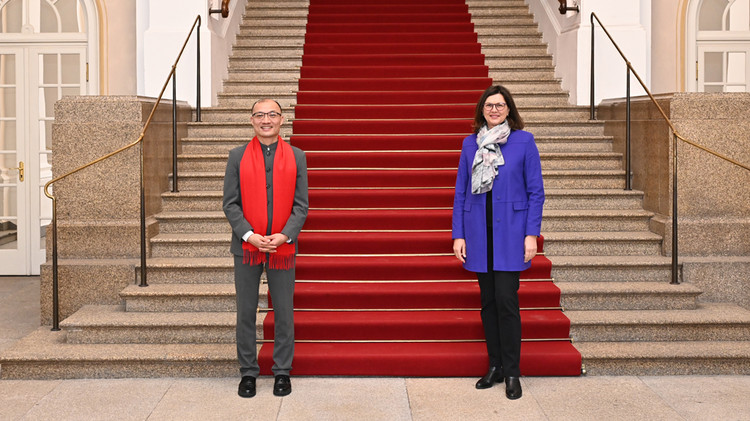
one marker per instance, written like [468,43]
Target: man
[265,201]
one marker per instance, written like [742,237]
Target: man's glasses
[500,106]
[271,114]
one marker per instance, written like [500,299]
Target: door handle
[20,170]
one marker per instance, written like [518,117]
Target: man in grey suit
[265,201]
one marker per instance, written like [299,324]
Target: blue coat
[517,200]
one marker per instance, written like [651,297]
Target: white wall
[163,25]
[569,39]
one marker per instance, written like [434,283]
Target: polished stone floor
[354,398]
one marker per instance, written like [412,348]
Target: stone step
[509,39]
[553,179]
[546,144]
[266,51]
[266,64]
[522,98]
[486,17]
[289,81]
[254,21]
[660,358]
[270,42]
[495,3]
[263,30]
[261,77]
[486,10]
[617,269]
[258,12]
[400,159]
[286,99]
[554,220]
[113,325]
[183,270]
[573,143]
[251,75]
[555,199]
[626,296]
[212,297]
[529,114]
[237,114]
[535,50]
[636,243]
[491,27]
[46,355]
[567,243]
[538,128]
[229,129]
[707,322]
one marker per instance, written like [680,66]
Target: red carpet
[387,93]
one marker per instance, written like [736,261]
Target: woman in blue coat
[497,217]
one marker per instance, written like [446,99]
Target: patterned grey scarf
[488,157]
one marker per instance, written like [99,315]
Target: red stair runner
[387,93]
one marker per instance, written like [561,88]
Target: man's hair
[514,119]
[264,100]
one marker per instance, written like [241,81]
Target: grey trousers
[281,287]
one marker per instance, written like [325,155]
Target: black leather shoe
[282,386]
[494,375]
[513,387]
[247,387]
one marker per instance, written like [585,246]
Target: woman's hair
[514,119]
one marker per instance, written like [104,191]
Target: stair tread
[601,213]
[594,287]
[681,350]
[704,314]
[613,261]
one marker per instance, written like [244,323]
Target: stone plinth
[98,208]
[713,198]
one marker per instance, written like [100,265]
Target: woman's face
[495,110]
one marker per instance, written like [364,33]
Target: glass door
[14,246]
[723,67]
[31,81]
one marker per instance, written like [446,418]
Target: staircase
[625,318]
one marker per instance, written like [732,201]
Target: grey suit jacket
[232,203]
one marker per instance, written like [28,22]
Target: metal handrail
[675,136]
[55,285]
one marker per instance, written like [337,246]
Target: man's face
[266,119]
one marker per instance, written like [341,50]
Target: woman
[497,217]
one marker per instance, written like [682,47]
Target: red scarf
[254,200]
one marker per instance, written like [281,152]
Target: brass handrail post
[55,289]
[144,273]
[174,130]
[675,279]
[591,87]
[628,157]
[198,73]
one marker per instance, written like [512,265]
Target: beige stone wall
[713,195]
[98,208]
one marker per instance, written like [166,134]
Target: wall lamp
[564,8]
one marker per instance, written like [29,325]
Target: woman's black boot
[513,387]
[494,375]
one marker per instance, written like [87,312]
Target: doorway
[45,54]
